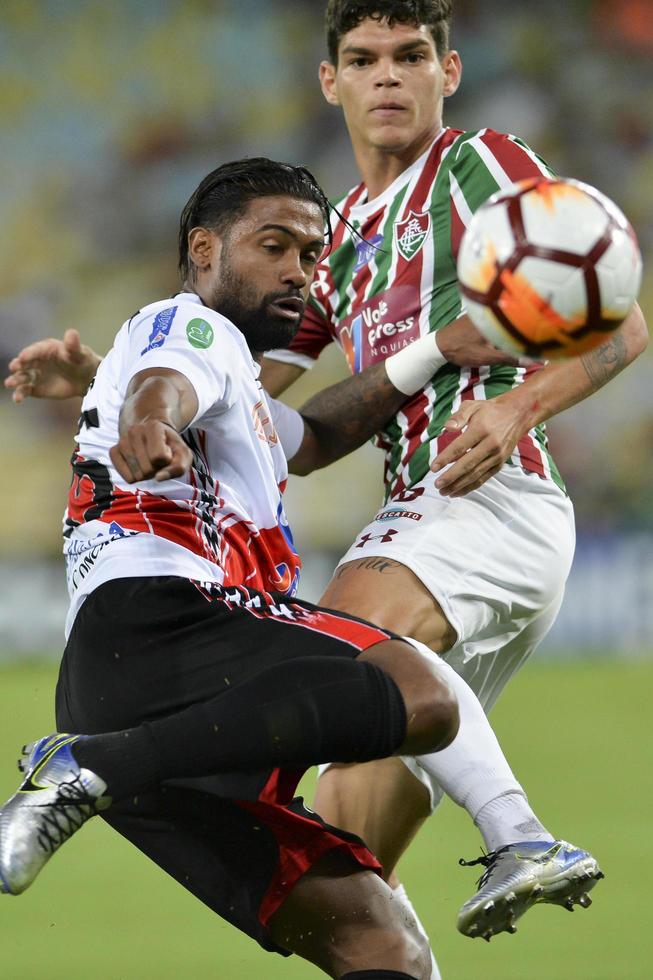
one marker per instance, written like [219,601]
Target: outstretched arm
[490,430]
[53,369]
[342,417]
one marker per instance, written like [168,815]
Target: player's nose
[294,274]
[387,74]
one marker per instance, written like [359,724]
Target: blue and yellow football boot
[54,800]
[518,876]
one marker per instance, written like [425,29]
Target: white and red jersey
[221,522]
[394,279]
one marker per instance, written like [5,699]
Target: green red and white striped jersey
[377,293]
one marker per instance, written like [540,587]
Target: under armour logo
[383,538]
[320,285]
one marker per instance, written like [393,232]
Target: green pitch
[577,735]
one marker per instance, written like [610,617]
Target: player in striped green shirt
[475,564]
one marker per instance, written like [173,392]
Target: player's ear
[328,82]
[203,247]
[452,67]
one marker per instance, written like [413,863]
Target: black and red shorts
[142,648]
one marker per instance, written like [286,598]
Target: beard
[263,330]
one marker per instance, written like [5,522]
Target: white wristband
[414,366]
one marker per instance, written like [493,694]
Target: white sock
[400,896]
[474,772]
[509,819]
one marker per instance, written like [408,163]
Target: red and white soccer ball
[548,268]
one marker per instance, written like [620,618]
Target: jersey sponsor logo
[160,329]
[391,515]
[366,250]
[200,334]
[79,566]
[384,325]
[382,538]
[410,234]
[263,424]
[286,580]
[82,554]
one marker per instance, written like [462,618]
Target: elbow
[640,341]
[637,332]
[299,466]
[313,452]
[307,461]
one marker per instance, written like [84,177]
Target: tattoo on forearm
[605,361]
[380,565]
[345,415]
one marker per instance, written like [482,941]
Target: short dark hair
[224,194]
[344,15]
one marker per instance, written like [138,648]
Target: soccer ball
[548,268]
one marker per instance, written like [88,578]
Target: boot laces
[71,808]
[489,862]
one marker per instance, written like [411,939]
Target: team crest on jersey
[410,234]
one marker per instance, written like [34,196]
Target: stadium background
[110,114]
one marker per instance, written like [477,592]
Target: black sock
[297,713]
[122,759]
[377,975]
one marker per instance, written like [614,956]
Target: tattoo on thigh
[381,565]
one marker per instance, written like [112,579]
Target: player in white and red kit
[225,522]
[198,688]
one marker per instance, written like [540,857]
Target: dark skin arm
[342,417]
[159,404]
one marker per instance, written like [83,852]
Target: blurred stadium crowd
[111,113]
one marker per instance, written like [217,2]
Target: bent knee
[432,717]
[440,717]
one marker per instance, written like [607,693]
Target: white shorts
[496,561]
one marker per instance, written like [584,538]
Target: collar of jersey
[190,298]
[360,212]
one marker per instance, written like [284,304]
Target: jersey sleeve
[192,340]
[485,163]
[289,426]
[311,338]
